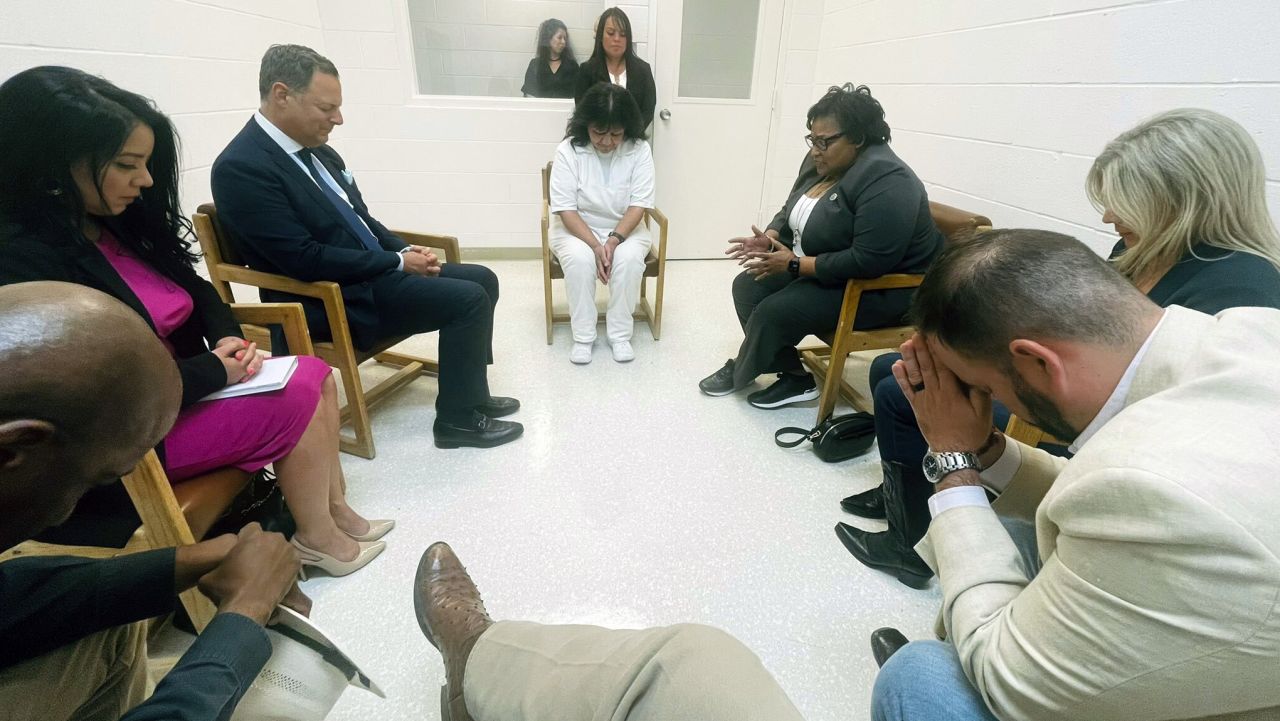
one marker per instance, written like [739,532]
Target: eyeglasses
[822,142]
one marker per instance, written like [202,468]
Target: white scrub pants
[579,264]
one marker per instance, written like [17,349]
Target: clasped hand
[240,358]
[256,572]
[421,261]
[604,258]
[952,416]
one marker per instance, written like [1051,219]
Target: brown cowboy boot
[452,616]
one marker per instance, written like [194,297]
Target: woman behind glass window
[551,74]
[601,184]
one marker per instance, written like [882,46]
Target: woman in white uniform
[601,184]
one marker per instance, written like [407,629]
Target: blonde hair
[1182,178]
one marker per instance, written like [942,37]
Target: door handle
[665,114]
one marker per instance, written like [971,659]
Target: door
[715,64]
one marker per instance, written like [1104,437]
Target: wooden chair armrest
[661,219]
[658,217]
[447,243]
[282,283]
[152,496]
[884,282]
[287,315]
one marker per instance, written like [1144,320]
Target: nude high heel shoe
[377,529]
[313,560]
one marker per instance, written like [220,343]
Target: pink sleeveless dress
[248,432]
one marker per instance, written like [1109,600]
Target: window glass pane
[483,47]
[718,48]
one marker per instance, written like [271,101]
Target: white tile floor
[632,500]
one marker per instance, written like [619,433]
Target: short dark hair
[53,118]
[859,115]
[605,105]
[989,288]
[292,65]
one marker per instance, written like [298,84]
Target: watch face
[931,466]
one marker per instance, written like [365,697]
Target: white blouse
[798,219]
[601,187]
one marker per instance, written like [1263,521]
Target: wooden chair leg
[657,307]
[831,386]
[198,607]
[356,411]
[546,286]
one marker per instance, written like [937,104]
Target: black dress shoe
[885,642]
[498,406]
[878,551]
[868,504]
[479,431]
[719,383]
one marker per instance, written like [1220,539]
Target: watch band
[939,465]
[793,267]
[615,234]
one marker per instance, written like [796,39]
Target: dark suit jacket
[53,256]
[639,83]
[874,221]
[282,223]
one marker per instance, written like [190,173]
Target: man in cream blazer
[1155,594]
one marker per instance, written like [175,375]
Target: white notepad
[274,375]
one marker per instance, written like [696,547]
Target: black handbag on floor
[838,438]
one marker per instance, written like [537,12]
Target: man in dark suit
[287,199]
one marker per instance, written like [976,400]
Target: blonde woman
[1185,192]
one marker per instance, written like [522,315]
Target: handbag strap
[805,435]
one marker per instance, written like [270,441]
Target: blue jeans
[924,680]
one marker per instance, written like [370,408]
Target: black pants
[459,303]
[777,312]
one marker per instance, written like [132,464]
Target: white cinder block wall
[198,61]
[1001,106]
[482,47]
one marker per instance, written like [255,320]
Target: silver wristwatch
[940,465]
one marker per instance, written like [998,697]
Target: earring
[55,192]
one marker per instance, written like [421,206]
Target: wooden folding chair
[826,362]
[226,266]
[183,514]
[655,266]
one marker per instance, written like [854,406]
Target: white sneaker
[622,351]
[581,353]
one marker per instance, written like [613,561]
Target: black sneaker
[719,383]
[788,389]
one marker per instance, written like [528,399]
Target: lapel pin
[833,196]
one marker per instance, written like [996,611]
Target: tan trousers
[98,678]
[521,671]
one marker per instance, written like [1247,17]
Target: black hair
[989,288]
[292,65]
[622,21]
[55,118]
[548,30]
[605,105]
[860,117]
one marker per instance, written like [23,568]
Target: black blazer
[282,223]
[53,256]
[1211,279]
[540,82]
[639,83]
[874,221]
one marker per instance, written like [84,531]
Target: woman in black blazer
[553,72]
[614,61]
[89,195]
[863,214]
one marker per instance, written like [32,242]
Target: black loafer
[479,431]
[498,406]
[868,504]
[885,642]
[877,550]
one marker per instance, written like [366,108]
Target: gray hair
[989,288]
[292,65]
[1184,177]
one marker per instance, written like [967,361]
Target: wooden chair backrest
[951,220]
[222,243]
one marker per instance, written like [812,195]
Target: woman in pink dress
[89,195]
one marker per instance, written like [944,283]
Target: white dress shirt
[291,148]
[998,475]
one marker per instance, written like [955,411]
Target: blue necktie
[348,213]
